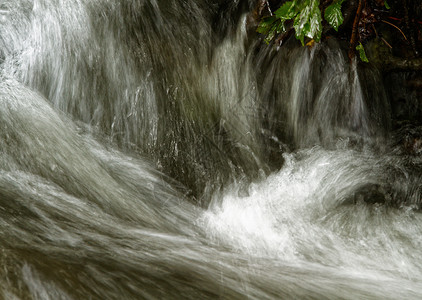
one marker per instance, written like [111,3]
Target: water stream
[154,149]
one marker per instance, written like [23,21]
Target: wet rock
[369,194]
[409,139]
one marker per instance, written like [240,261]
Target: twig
[373,27]
[353,39]
[269,7]
[385,42]
[398,19]
[391,24]
[410,29]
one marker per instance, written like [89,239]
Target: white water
[143,155]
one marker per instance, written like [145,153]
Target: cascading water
[151,150]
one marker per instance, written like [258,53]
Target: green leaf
[333,14]
[266,24]
[316,25]
[287,11]
[276,28]
[308,22]
[300,23]
[386,4]
[271,26]
[362,53]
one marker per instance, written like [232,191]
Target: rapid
[155,149]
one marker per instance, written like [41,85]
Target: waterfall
[156,149]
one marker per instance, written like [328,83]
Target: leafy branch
[306,17]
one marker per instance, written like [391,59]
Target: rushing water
[153,149]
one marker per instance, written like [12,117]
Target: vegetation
[306,17]
[357,21]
